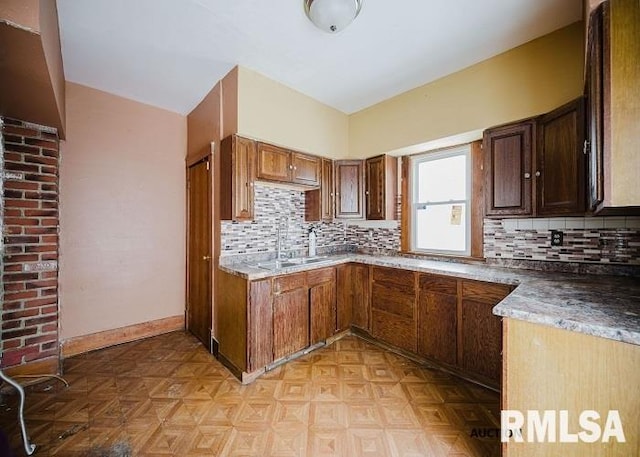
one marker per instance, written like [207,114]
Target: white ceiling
[170,53]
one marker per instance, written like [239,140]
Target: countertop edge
[516,306]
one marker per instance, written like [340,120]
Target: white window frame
[415,204]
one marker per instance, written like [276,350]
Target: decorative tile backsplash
[609,240]
[274,205]
[592,240]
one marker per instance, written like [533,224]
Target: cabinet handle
[250,184]
[538,174]
[295,168]
[527,175]
[331,194]
[206,257]
[290,167]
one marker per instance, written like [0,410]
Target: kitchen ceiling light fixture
[332,15]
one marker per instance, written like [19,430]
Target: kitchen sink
[277,264]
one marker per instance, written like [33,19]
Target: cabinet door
[260,325]
[393,307]
[437,319]
[507,169]
[274,163]
[349,189]
[560,165]
[375,188]
[482,340]
[322,302]
[360,296]
[290,322]
[595,73]
[237,166]
[480,349]
[326,190]
[306,169]
[344,297]
[244,166]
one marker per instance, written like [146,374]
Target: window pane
[443,179]
[441,227]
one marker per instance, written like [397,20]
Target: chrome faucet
[279,233]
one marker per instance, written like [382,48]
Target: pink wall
[122,220]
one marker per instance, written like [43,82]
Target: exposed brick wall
[30,242]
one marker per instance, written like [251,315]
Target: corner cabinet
[237,165]
[381,187]
[349,182]
[536,167]
[319,202]
[613,100]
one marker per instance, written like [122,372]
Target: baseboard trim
[86,343]
[50,365]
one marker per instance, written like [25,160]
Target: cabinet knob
[290,167]
[206,257]
[527,175]
[538,174]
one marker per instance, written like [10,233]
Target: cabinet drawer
[484,291]
[394,299]
[395,276]
[289,282]
[395,330]
[315,277]
[429,283]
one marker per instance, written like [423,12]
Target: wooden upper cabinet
[237,164]
[274,163]
[613,78]
[536,167]
[349,182]
[326,190]
[560,165]
[319,202]
[507,165]
[306,169]
[282,165]
[381,187]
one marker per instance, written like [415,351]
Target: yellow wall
[270,111]
[525,81]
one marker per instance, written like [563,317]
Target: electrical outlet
[557,237]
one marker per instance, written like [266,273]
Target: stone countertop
[604,306]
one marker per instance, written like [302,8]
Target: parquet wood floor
[166,396]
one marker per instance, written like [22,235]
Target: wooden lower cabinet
[322,304]
[393,307]
[446,320]
[290,322]
[437,315]
[480,348]
[353,305]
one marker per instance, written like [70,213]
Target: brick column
[30,236]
